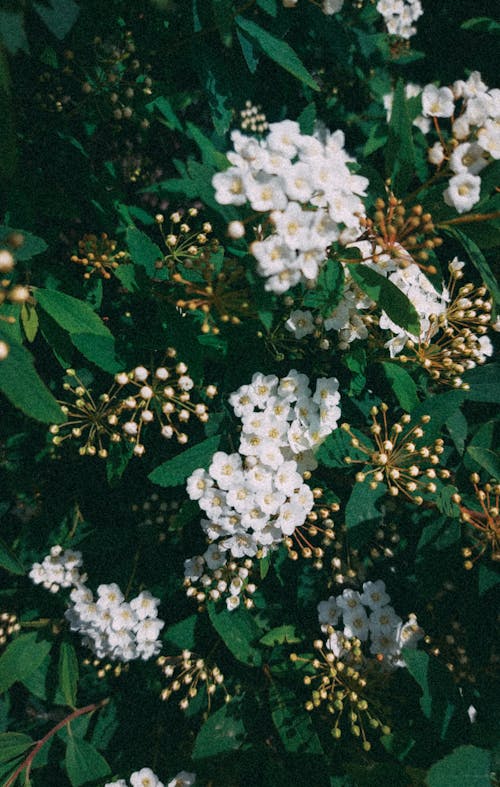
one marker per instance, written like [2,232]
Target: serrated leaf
[12,744]
[22,657]
[142,250]
[388,297]
[402,385]
[99,350]
[400,150]
[486,458]
[280,635]
[84,763]
[175,471]
[224,731]
[278,50]
[9,561]
[466,765]
[20,383]
[292,722]
[238,631]
[73,315]
[68,673]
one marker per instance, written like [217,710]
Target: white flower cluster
[474,110]
[59,569]
[146,778]
[369,617]
[113,628]
[399,16]
[304,182]
[328,7]
[257,497]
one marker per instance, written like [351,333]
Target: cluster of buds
[339,685]
[190,673]
[398,458]
[394,228]
[456,339]
[135,400]
[212,286]
[113,79]
[230,581]
[9,625]
[104,669]
[155,513]
[253,119]
[318,525]
[485,523]
[97,254]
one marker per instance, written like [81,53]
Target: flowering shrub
[249,507]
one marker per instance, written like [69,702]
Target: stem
[26,763]
[470,218]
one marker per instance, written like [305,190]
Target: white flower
[384,620]
[435,154]
[145,605]
[328,612]
[265,192]
[145,778]
[437,101]
[229,187]
[283,137]
[356,624]
[463,191]
[332,6]
[349,601]
[183,779]
[374,594]
[226,469]
[468,157]
[300,323]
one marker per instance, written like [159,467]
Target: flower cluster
[304,187]
[135,400]
[473,109]
[97,254]
[398,457]
[192,673]
[369,617]
[146,778]
[252,119]
[256,498]
[9,625]
[10,293]
[183,244]
[110,626]
[59,569]
[231,578]
[399,16]
[485,523]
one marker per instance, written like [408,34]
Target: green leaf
[278,50]
[224,731]
[481,24]
[307,118]
[445,502]
[292,722]
[458,428]
[9,561]
[175,471]
[483,381]
[22,657]
[280,635]
[269,6]
[29,320]
[119,455]
[388,297]
[68,673]
[84,763]
[250,51]
[238,631]
[466,765]
[73,315]
[209,153]
[361,512]
[223,17]
[329,288]
[12,31]
[486,458]
[164,106]
[142,250]
[30,246]
[402,384]
[99,350]
[8,138]
[400,151]
[478,260]
[59,16]
[182,634]
[12,744]
[20,383]
[440,701]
